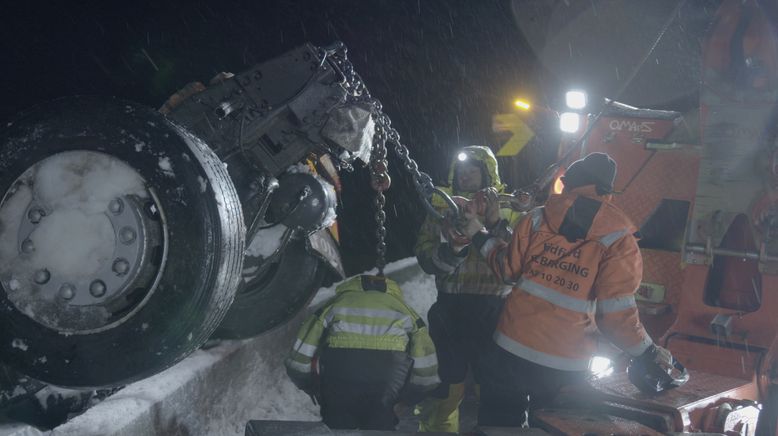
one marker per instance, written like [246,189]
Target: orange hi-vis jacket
[575,266]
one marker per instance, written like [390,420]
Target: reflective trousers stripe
[555,297]
[539,357]
[429,380]
[427,361]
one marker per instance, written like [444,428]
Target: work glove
[470,224]
[664,359]
[656,370]
[491,207]
[459,231]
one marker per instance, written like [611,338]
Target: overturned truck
[129,236]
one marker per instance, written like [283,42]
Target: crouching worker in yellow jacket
[373,351]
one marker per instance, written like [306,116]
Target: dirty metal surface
[299,428]
[701,390]
[583,422]
[658,420]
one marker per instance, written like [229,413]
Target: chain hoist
[379,165]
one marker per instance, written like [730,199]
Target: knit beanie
[596,169]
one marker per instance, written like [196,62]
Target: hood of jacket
[486,160]
[488,163]
[585,215]
[370,283]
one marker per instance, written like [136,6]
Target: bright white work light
[462,156]
[575,99]
[569,122]
[600,366]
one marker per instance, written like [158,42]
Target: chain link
[384,132]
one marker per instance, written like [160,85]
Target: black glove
[656,370]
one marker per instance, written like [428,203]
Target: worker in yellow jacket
[373,351]
[469,298]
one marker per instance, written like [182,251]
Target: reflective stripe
[504,290]
[539,357]
[427,361]
[555,297]
[615,304]
[424,381]
[612,237]
[365,329]
[537,216]
[304,368]
[443,266]
[374,313]
[304,349]
[637,350]
[489,246]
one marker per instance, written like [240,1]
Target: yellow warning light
[521,104]
[559,186]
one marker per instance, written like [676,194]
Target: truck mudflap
[322,245]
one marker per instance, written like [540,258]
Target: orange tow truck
[702,187]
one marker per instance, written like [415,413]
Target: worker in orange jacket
[575,266]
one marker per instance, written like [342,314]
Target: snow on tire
[121,242]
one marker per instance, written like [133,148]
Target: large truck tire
[121,242]
[268,300]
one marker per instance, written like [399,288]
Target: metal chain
[384,132]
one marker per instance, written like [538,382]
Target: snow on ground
[218,390]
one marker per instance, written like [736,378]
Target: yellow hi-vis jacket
[468,272]
[575,265]
[358,318]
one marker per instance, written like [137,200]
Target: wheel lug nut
[121,266]
[67,291]
[97,288]
[116,206]
[42,276]
[127,235]
[28,246]
[35,215]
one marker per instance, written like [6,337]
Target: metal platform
[293,428]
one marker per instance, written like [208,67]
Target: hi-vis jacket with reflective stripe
[365,319]
[576,266]
[470,273]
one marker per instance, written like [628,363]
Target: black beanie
[596,169]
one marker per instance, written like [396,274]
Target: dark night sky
[441,69]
